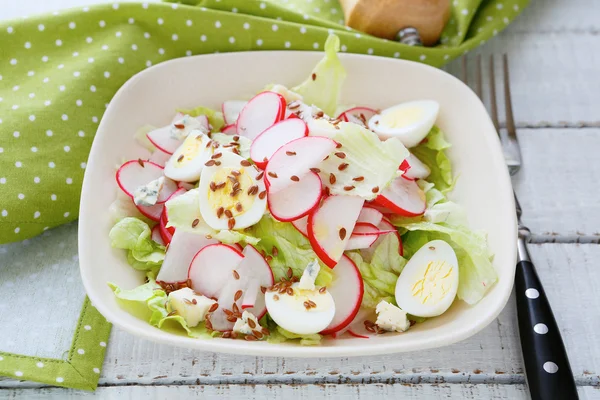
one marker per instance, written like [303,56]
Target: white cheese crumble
[191,306]
[242,326]
[307,281]
[147,195]
[189,124]
[391,318]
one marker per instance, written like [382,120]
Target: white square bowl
[151,97]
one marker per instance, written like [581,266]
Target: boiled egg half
[429,281]
[231,196]
[187,161]
[410,122]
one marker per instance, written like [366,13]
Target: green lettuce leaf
[293,249]
[432,152]
[135,300]
[231,237]
[329,74]
[215,118]
[134,235]
[367,156]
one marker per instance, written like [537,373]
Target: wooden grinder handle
[385,18]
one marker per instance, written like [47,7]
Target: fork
[547,368]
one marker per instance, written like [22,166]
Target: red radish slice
[163,140]
[238,247]
[297,200]
[152,212]
[268,142]
[404,166]
[384,225]
[159,157]
[358,242]
[370,215]
[156,235]
[185,185]
[229,129]
[307,152]
[136,173]
[387,225]
[301,225]
[356,335]
[360,317]
[330,226]
[367,229]
[212,267]
[182,249]
[365,235]
[417,169]
[169,187]
[403,197]
[385,211]
[231,110]
[165,234]
[347,290]
[251,294]
[262,111]
[358,115]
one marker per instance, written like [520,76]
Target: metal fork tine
[478,82]
[510,122]
[493,105]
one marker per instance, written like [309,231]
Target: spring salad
[290,217]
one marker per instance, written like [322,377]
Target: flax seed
[348,188]
[220,211]
[216,155]
[342,233]
[306,305]
[257,334]
[290,153]
[272,174]
[245,163]
[338,146]
[262,194]
[282,290]
[314,76]
[235,172]
[214,307]
[209,325]
[293,105]
[359,179]
[375,189]
[235,309]
[141,162]
[236,138]
[221,185]
[289,291]
[295,178]
[263,289]
[340,154]
[323,290]
[226,335]
[238,295]
[315,170]
[250,338]
[332,179]
[253,190]
[370,329]
[268,258]
[236,186]
[236,275]
[210,163]
[251,324]
[236,151]
[180,158]
[231,223]
[195,222]
[289,273]
[275,251]
[208,144]
[213,186]
[327,191]
[259,176]
[231,319]
[179,126]
[227,312]
[342,166]
[238,207]
[217,163]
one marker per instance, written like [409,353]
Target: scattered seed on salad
[342,233]
[208,324]
[238,295]
[282,290]
[236,138]
[363,118]
[289,273]
[195,223]
[236,186]
[375,189]
[290,153]
[275,251]
[231,223]
[245,163]
[268,258]
[326,158]
[259,176]
[236,275]
[323,290]
[251,324]
[141,162]
[171,313]
[338,145]
[359,179]
[194,301]
[231,319]
[187,301]
[275,297]
[256,333]
[306,305]
[179,126]
[262,194]
[232,179]
[228,214]
[332,178]
[234,335]
[335,123]
[320,114]
[312,303]
[369,323]
[376,122]
[180,158]
[348,188]
[236,151]
[213,186]
[227,312]
[314,76]
[340,154]
[293,105]
[235,309]
[327,191]
[220,211]
[226,335]
[210,163]
[289,291]
[238,206]
[235,172]
[315,170]
[294,178]
[214,307]
[253,190]
[370,329]
[216,155]
[217,163]
[272,174]
[343,166]
[263,289]
[250,338]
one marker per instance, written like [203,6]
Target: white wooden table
[554,50]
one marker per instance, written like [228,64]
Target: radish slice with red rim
[262,111]
[357,242]
[269,141]
[367,229]
[330,226]
[182,249]
[136,173]
[358,115]
[212,267]
[306,153]
[347,290]
[153,212]
[231,110]
[186,185]
[403,197]
[159,157]
[229,129]
[297,200]
[384,225]
[416,168]
[156,235]
[169,187]
[370,215]
[301,225]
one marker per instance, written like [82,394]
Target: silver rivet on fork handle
[409,36]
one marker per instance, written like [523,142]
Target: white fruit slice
[403,197]
[229,129]
[297,200]
[428,283]
[416,168]
[181,251]
[251,295]
[347,290]
[358,115]
[159,157]
[330,226]
[231,110]
[212,268]
[156,235]
[262,111]
[301,225]
[136,173]
[370,215]
[268,142]
[357,242]
[295,159]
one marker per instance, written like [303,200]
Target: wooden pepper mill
[385,18]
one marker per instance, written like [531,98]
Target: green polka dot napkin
[58,73]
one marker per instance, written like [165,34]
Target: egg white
[187,161]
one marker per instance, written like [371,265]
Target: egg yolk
[401,117]
[192,146]
[239,184]
[435,283]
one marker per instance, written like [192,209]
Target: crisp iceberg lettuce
[432,152]
[215,118]
[134,235]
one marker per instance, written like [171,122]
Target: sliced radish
[330,226]
[231,110]
[384,225]
[295,159]
[212,267]
[169,187]
[358,115]
[268,142]
[165,234]
[229,129]
[297,200]
[182,249]
[262,111]
[370,215]
[356,335]
[384,210]
[367,229]
[347,290]
[186,185]
[403,197]
[159,157]
[404,166]
[163,140]
[357,242]
[136,173]
[238,247]
[156,235]
[153,212]
[301,225]
[251,294]
[360,317]
[416,168]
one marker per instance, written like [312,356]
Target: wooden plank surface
[301,392]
